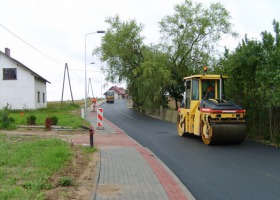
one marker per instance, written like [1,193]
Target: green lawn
[68,114]
[26,165]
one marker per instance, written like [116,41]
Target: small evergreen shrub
[31,120]
[6,122]
[54,120]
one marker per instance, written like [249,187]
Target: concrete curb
[170,182]
[182,186]
[173,176]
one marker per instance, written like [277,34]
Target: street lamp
[85,110]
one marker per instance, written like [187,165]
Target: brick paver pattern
[129,170]
[120,139]
[125,169]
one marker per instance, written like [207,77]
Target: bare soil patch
[82,169]
[111,190]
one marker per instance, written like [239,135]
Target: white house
[20,87]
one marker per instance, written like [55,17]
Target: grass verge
[68,114]
[33,167]
[26,165]
[36,168]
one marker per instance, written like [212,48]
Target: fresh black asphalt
[247,171]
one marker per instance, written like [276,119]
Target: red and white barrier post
[100,119]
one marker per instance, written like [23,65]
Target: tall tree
[189,39]
[268,75]
[121,49]
[241,67]
[142,67]
[254,71]
[154,78]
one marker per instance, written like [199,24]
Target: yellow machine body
[207,114]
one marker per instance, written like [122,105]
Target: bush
[31,120]
[6,122]
[66,181]
[54,120]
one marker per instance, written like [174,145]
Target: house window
[44,100]
[9,73]
[38,96]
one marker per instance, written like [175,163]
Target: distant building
[20,87]
[119,92]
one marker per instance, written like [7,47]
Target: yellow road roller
[205,112]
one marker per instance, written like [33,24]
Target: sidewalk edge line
[177,180]
[96,180]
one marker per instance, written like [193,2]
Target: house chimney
[7,51]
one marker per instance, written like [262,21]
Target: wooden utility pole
[66,69]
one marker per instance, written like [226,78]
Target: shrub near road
[67,115]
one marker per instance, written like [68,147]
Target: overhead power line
[84,70]
[34,48]
[82,78]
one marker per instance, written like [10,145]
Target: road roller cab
[206,113]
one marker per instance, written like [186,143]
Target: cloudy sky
[46,34]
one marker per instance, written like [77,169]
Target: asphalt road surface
[247,171]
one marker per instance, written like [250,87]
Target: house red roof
[118,90]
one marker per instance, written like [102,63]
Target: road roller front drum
[219,134]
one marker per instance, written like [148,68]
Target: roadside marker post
[100,119]
[91,140]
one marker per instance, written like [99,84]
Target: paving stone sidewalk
[128,170]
